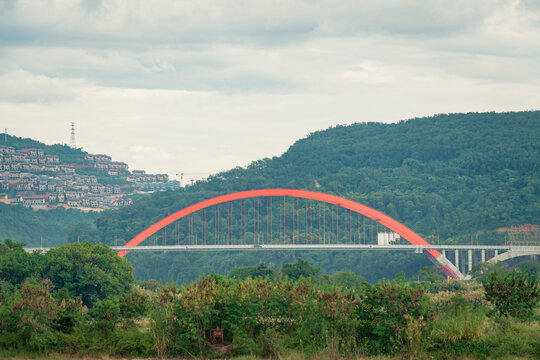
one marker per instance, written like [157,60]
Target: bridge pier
[483,256]
[470,259]
[456,256]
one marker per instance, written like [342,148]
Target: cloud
[255,46]
[135,22]
[367,72]
[22,86]
[203,86]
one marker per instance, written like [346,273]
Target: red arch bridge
[292,219]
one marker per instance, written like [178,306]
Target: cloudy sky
[203,86]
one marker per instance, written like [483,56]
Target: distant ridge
[449,175]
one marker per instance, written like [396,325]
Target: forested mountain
[36,228]
[450,177]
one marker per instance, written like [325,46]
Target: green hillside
[36,228]
[65,153]
[454,178]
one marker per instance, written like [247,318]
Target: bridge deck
[416,248]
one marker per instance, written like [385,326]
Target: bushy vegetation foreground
[81,299]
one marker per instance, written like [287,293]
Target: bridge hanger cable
[337,224]
[293,219]
[288,233]
[311,219]
[271,222]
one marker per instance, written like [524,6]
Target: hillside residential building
[97,158]
[6,149]
[112,165]
[60,184]
[35,202]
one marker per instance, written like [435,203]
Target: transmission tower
[72,141]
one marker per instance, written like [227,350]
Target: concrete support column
[470,260]
[444,253]
[496,252]
[456,253]
[483,256]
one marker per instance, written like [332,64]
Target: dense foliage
[41,228]
[93,272]
[183,267]
[515,293]
[297,309]
[452,178]
[89,272]
[449,175]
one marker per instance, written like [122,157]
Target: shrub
[132,342]
[386,312]
[510,337]
[161,328]
[271,344]
[93,272]
[515,293]
[134,304]
[461,321]
[38,319]
[106,314]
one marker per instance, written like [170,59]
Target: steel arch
[357,207]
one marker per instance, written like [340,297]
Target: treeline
[185,267]
[47,228]
[451,178]
[448,175]
[80,299]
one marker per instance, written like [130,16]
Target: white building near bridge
[387,238]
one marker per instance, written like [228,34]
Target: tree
[92,272]
[16,264]
[430,274]
[515,293]
[300,269]
[482,270]
[348,279]
[81,232]
[261,270]
[387,310]
[530,267]
[37,318]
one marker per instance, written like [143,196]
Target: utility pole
[72,140]
[181,178]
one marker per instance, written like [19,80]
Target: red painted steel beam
[371,213]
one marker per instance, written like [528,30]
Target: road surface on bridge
[416,248]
